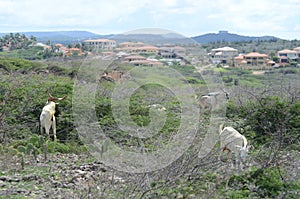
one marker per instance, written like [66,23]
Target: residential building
[297,49]
[136,47]
[73,52]
[171,52]
[290,54]
[146,49]
[60,48]
[138,60]
[253,60]
[223,55]
[141,49]
[104,44]
[286,56]
[130,44]
[256,59]
[134,58]
[146,63]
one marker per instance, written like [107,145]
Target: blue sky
[186,17]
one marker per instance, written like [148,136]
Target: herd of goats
[230,139]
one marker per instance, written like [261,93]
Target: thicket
[23,92]
[270,121]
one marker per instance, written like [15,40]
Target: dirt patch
[258,72]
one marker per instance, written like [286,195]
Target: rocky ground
[81,176]
[61,176]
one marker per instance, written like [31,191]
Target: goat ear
[51,98]
[50,95]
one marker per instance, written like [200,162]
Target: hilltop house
[136,47]
[223,55]
[138,60]
[67,51]
[134,58]
[103,44]
[73,52]
[171,52]
[129,44]
[286,56]
[253,60]
[297,49]
[60,48]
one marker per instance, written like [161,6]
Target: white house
[223,55]
[105,44]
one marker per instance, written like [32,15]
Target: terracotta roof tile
[255,54]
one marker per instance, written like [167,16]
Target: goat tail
[245,141]
[221,128]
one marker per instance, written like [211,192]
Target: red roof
[136,57]
[147,48]
[240,57]
[297,49]
[255,54]
[287,51]
[72,49]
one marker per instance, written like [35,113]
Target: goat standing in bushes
[47,117]
[232,141]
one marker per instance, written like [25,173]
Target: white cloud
[179,15]
[67,12]
[169,3]
[253,16]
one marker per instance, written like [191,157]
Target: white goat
[158,107]
[205,102]
[47,117]
[232,141]
[210,100]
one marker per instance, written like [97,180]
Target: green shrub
[57,147]
[270,118]
[25,95]
[260,183]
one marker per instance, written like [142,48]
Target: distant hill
[66,37]
[63,37]
[154,39]
[228,37]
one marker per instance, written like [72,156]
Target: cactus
[21,153]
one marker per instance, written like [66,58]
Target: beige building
[223,55]
[291,54]
[253,60]
[134,58]
[73,52]
[129,44]
[297,49]
[136,47]
[171,52]
[105,44]
[286,56]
